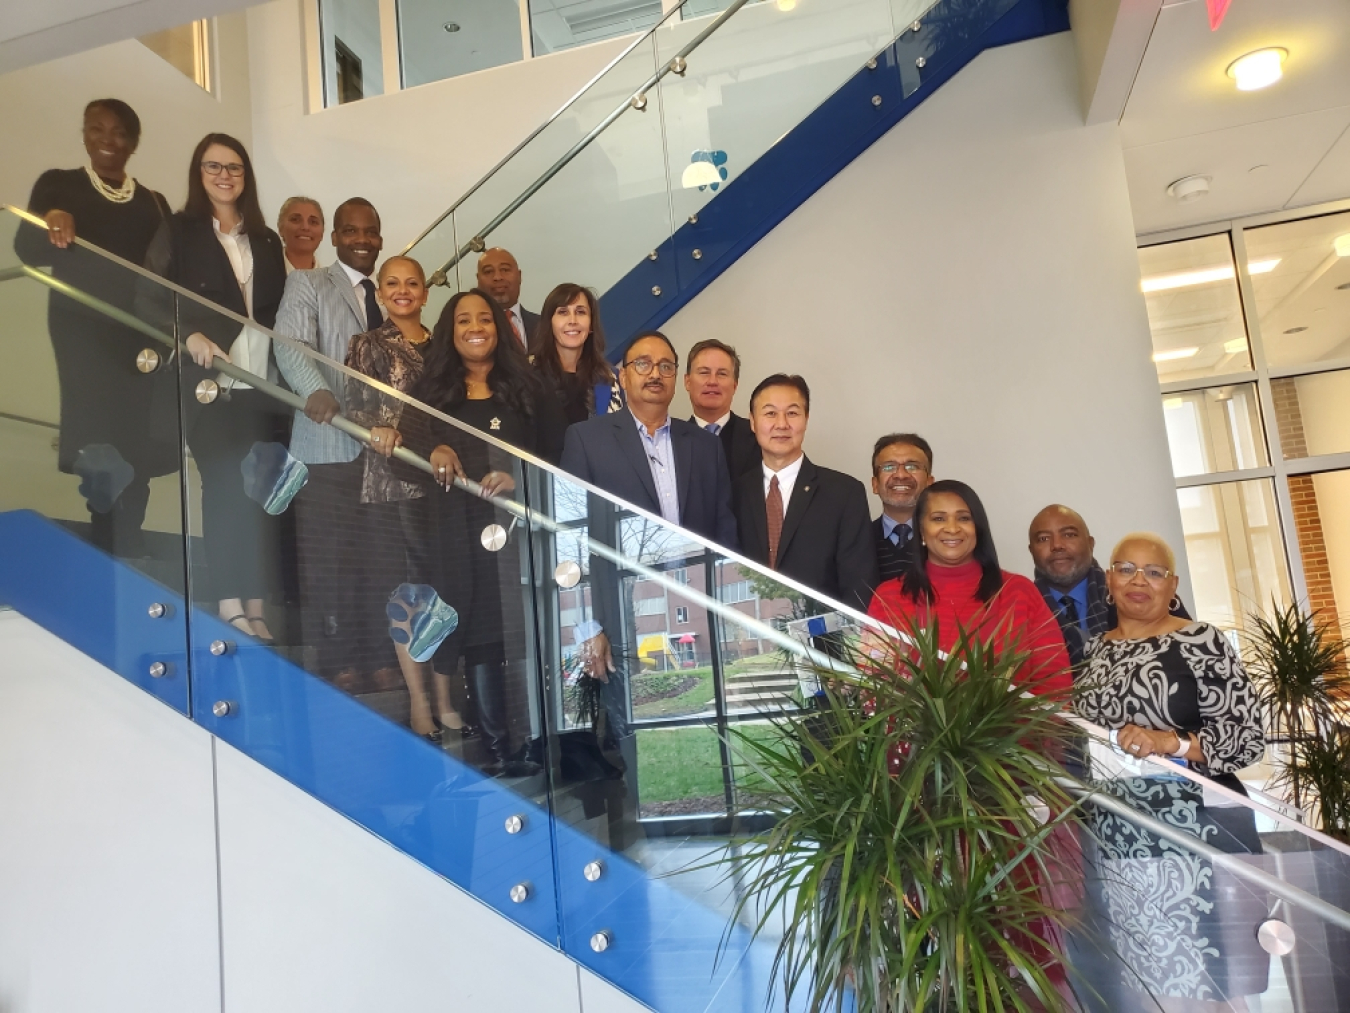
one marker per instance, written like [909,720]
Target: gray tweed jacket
[319,308]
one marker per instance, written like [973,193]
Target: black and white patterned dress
[1169,914]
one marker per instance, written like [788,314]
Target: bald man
[499,277]
[1069,579]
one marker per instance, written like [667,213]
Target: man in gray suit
[323,309]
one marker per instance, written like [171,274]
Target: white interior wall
[113,809]
[411,153]
[971,277]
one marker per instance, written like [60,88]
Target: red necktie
[516,327]
[773,505]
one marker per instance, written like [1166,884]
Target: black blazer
[891,561]
[1101,613]
[530,321]
[607,452]
[187,252]
[740,447]
[826,542]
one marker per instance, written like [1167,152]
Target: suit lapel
[681,442]
[803,491]
[344,286]
[755,540]
[630,444]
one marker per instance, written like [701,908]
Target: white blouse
[251,349]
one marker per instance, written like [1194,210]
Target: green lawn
[675,763]
[695,700]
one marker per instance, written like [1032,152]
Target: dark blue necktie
[1070,609]
[901,535]
[373,315]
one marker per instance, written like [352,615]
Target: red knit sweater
[1018,610]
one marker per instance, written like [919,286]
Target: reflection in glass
[439,39]
[1313,413]
[1194,312]
[561,24]
[1322,522]
[353,63]
[1303,303]
[1218,429]
[1234,551]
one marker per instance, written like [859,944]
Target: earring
[1175,603]
[1109,599]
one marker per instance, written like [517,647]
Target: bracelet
[1183,746]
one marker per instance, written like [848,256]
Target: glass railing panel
[609,198]
[1162,920]
[91,443]
[938,35]
[754,79]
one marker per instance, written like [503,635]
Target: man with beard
[499,277]
[1069,579]
[902,467]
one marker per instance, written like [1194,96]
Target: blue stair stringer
[839,130]
[437,810]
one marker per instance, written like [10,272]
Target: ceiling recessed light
[1188,188]
[1204,276]
[1235,346]
[1173,403]
[450,27]
[786,5]
[1174,353]
[1342,245]
[1258,70]
[1296,330]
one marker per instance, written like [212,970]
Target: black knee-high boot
[486,684]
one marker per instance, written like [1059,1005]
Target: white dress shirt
[720,423]
[251,349]
[787,478]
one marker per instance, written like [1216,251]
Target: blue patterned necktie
[714,428]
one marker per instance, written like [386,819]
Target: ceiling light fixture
[450,27]
[1343,245]
[1235,346]
[698,174]
[1204,276]
[1188,188]
[1258,70]
[1175,353]
[786,5]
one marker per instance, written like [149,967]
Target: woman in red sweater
[953,577]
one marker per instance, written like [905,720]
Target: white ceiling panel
[1183,89]
[1288,148]
[1331,179]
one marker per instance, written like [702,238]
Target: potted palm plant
[920,835]
[1296,658]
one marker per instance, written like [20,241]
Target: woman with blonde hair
[1174,689]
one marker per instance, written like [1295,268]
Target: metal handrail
[677,65]
[1176,836]
[679,7]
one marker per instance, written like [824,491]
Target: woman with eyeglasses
[1173,690]
[220,249]
[953,579]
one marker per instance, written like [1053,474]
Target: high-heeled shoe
[266,641]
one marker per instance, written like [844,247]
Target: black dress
[1168,913]
[104,399]
[482,578]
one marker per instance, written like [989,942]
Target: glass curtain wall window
[1251,341]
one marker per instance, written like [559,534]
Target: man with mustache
[324,309]
[499,277]
[902,467]
[1069,579]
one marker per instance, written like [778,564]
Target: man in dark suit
[641,455]
[902,467]
[710,377]
[499,277]
[808,523]
[1071,581]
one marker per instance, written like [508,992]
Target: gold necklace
[117,194]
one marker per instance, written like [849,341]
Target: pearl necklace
[117,194]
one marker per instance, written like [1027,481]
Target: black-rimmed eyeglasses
[216,168]
[644,366]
